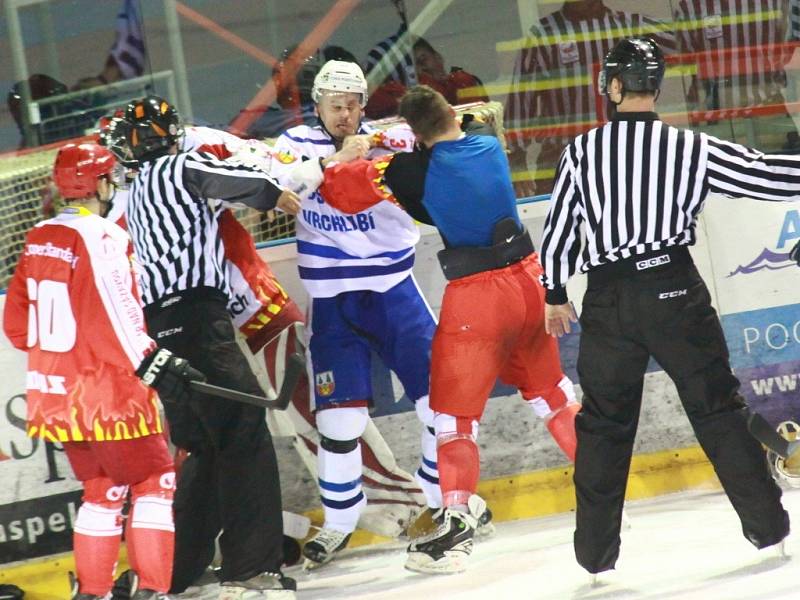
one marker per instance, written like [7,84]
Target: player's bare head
[427,112]
[340,93]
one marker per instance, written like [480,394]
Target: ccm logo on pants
[674,294]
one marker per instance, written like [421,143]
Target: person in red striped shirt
[740,54]
[554,82]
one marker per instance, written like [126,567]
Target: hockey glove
[168,375]
[794,253]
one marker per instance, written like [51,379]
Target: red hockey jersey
[73,307]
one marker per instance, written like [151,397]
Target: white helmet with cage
[786,470]
[341,77]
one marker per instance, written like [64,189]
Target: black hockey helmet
[114,136]
[154,127]
[637,62]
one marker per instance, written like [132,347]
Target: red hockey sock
[459,469]
[96,542]
[561,425]
[151,532]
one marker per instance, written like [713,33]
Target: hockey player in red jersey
[492,319]
[72,306]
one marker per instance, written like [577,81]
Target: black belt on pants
[638,264]
[464,261]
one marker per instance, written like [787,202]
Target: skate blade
[485,531]
[451,562]
[240,593]
[312,565]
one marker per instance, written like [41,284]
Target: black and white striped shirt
[172,216]
[401,61]
[638,185]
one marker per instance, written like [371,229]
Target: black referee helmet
[637,62]
[154,127]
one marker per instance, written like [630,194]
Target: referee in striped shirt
[230,481]
[638,185]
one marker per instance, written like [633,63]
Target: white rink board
[758,305]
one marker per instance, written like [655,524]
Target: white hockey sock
[427,474]
[340,488]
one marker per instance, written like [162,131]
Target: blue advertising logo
[774,260]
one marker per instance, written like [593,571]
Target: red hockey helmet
[78,166]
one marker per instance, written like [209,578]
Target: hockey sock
[97,535]
[459,468]
[557,406]
[427,475]
[561,425]
[340,487]
[151,532]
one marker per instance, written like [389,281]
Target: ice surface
[684,546]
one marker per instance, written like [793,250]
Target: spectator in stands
[457,86]
[562,56]
[740,55]
[40,86]
[127,56]
[293,105]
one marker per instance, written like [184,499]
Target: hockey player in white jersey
[272,328]
[363,299]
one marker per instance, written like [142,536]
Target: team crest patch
[285,158]
[325,383]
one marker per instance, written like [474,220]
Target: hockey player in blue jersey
[363,299]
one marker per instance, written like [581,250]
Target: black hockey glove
[794,253]
[169,375]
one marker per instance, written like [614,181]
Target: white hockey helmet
[342,77]
[787,470]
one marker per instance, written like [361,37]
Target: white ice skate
[447,549]
[321,549]
[267,586]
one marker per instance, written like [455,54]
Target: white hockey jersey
[339,252]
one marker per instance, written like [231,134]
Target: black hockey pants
[230,480]
[630,314]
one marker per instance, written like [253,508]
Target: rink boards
[742,252]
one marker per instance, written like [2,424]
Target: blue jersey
[463,187]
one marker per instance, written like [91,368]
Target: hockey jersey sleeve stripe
[355,272]
[320,142]
[332,252]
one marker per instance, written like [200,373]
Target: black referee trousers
[230,480]
[663,311]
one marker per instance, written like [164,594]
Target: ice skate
[447,549]
[76,595]
[320,549]
[267,586]
[143,594]
[431,518]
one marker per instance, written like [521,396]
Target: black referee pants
[664,311]
[230,480]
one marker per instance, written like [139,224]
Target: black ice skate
[267,586]
[320,549]
[431,518]
[446,550]
[76,595]
[142,594]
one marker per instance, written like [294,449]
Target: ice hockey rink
[684,546]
